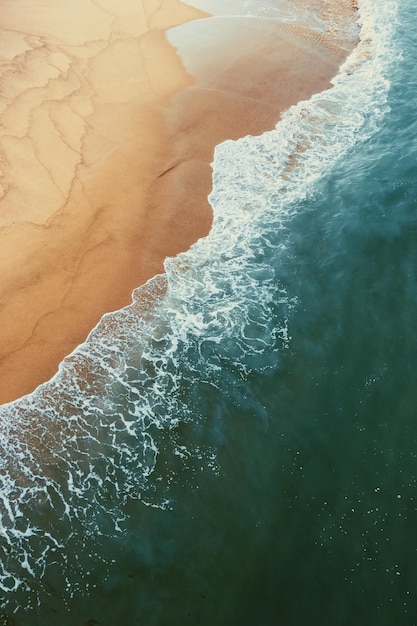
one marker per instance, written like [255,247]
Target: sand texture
[106,139]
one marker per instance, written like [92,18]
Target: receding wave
[77,450]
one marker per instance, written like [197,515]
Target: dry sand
[105,145]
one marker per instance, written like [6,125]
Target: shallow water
[243,448]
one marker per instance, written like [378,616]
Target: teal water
[244,451]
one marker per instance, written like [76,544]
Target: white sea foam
[74,452]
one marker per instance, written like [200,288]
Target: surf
[82,446]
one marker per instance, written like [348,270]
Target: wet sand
[106,142]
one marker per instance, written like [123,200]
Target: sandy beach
[106,140]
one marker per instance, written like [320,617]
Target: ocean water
[239,446]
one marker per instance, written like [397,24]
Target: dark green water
[283,489]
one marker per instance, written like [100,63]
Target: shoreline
[139,210]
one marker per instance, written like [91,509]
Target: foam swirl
[73,453]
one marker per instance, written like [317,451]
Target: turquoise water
[243,449]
